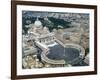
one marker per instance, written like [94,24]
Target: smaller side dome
[46,30]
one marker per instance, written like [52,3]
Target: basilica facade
[41,33]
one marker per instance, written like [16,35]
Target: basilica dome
[37,23]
